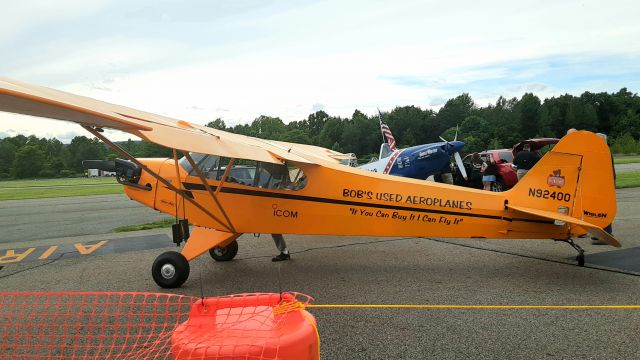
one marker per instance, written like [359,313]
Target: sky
[236,60]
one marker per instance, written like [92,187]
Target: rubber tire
[180,264]
[228,252]
[498,186]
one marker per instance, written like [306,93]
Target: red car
[506,177]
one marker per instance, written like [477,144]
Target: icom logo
[293,214]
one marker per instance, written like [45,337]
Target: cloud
[317,107]
[437,101]
[237,60]
[406,80]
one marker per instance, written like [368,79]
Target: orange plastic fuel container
[249,326]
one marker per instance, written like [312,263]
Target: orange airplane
[227,184]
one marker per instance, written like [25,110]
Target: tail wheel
[226,253]
[170,270]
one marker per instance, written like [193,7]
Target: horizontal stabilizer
[594,230]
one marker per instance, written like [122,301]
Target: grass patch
[39,193]
[164,223]
[628,179]
[626,159]
[8,184]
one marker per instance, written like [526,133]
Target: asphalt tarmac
[627,167]
[367,270]
[54,218]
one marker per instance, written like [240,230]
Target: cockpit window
[248,172]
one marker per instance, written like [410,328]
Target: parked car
[506,175]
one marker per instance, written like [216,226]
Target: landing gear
[226,253]
[170,270]
[580,251]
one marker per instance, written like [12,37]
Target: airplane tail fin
[575,179]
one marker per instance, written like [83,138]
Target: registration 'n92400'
[547,194]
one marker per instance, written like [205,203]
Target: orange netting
[100,325]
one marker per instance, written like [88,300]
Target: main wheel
[226,253]
[170,270]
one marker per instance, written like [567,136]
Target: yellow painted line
[48,253]
[407,306]
[12,257]
[88,249]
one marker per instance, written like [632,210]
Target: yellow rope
[408,306]
[285,307]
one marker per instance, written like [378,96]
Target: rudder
[575,177]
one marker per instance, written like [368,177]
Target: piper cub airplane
[227,184]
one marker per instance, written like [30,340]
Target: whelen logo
[556,179]
[600,215]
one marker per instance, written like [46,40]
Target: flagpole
[384,139]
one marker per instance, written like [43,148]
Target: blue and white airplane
[418,162]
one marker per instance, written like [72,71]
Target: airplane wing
[22,98]
[594,230]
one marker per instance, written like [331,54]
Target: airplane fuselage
[339,200]
[416,162]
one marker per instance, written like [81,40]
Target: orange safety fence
[130,325]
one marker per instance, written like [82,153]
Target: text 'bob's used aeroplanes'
[228,184]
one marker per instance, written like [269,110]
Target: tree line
[494,126]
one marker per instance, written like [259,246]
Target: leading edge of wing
[26,99]
[594,230]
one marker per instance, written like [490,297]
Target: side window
[273,176]
[208,166]
[280,177]
[248,172]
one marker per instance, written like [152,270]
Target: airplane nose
[457,146]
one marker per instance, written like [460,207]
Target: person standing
[525,160]
[445,175]
[282,246]
[489,171]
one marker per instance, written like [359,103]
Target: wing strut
[206,185]
[158,177]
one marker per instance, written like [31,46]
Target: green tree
[361,134]
[217,124]
[28,162]
[454,112]
[316,122]
[296,136]
[528,110]
[267,127]
[331,133]
[625,144]
[7,155]
[83,148]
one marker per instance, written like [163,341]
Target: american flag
[386,133]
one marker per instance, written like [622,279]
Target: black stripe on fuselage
[248,192]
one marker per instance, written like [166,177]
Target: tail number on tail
[546,194]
